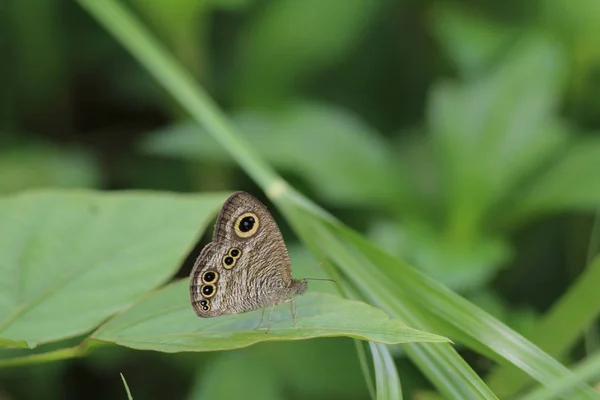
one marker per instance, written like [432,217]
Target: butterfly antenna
[320,279]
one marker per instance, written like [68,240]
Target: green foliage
[61,251]
[460,140]
[162,323]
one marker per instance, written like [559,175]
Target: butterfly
[246,267]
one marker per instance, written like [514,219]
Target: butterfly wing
[246,266]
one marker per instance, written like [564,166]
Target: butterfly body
[246,266]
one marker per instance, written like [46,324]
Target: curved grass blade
[126,387]
[393,284]
[386,376]
[560,328]
[586,371]
[442,365]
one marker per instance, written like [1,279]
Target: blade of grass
[586,371]
[364,365]
[560,328]
[129,396]
[392,284]
[442,365]
[387,380]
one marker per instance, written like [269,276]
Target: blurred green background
[460,136]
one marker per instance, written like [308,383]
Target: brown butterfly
[246,266]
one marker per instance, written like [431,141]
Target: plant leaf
[69,260]
[386,377]
[503,124]
[569,183]
[165,322]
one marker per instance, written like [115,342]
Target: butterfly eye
[205,304]
[208,290]
[246,225]
[210,277]
[228,262]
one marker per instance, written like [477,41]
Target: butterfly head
[299,286]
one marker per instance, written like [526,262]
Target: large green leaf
[165,322]
[70,260]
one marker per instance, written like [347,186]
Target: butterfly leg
[270,318]
[293,310]
[262,316]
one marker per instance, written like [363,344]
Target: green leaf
[361,174]
[495,131]
[386,376]
[165,322]
[70,260]
[571,182]
[490,135]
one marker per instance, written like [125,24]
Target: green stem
[181,85]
